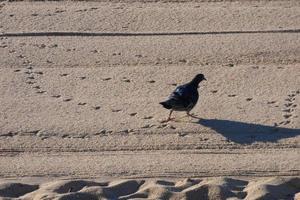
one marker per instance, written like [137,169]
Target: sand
[212,188]
[80,84]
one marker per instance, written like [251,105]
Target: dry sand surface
[211,188]
[80,84]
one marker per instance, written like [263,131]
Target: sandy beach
[81,82]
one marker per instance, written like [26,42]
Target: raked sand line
[151,163]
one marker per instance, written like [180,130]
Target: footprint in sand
[56,96]
[124,79]
[173,84]
[120,7]
[162,126]
[68,50]
[288,104]
[53,46]
[146,126]
[96,107]
[289,99]
[68,99]
[182,134]
[183,61]
[288,111]
[81,104]
[41,46]
[39,73]
[81,10]
[21,56]
[41,92]
[171,127]
[116,110]
[286,116]
[133,114]
[148,117]
[37,87]
[28,72]
[231,95]
[30,77]
[271,102]
[139,56]
[30,82]
[59,11]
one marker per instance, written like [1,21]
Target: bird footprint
[289,109]
[148,117]
[56,96]
[116,110]
[67,99]
[96,107]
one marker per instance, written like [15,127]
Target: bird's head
[198,78]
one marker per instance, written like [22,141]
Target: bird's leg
[169,118]
[193,116]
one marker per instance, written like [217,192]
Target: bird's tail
[165,104]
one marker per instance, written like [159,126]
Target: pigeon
[184,97]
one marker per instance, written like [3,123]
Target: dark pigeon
[184,97]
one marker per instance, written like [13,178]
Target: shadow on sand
[247,133]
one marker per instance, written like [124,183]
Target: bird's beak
[204,78]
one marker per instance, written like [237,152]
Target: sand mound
[15,189]
[274,188]
[207,188]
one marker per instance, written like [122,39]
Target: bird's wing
[180,92]
[182,95]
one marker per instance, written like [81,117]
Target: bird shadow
[247,133]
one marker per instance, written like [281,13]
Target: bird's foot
[193,116]
[166,120]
